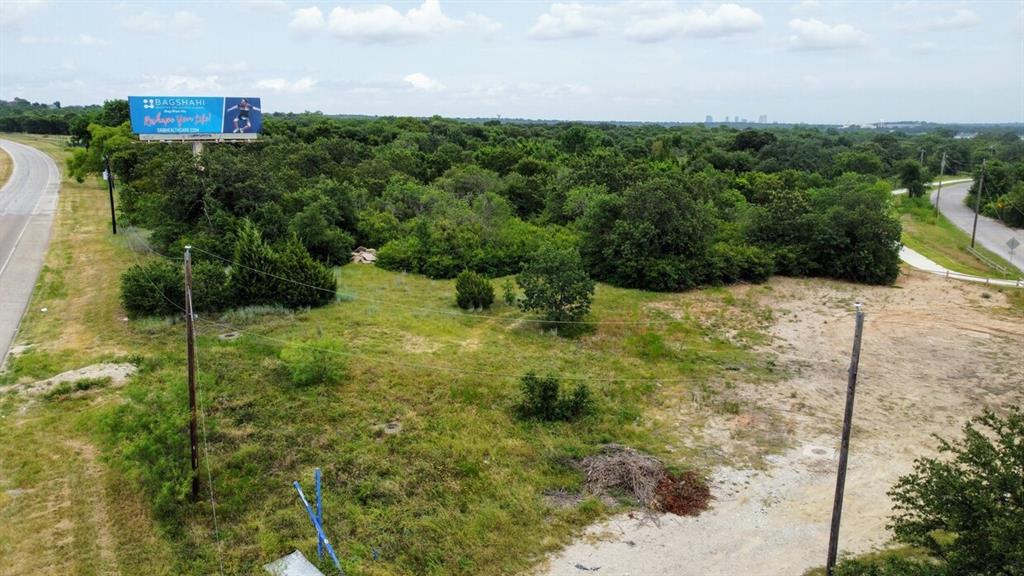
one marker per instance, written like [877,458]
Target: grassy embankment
[942,241]
[459,489]
[6,167]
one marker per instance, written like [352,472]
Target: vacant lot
[934,353]
[427,471]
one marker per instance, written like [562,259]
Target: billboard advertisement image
[195,117]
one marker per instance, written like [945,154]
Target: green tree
[912,177]
[251,281]
[967,506]
[555,283]
[473,291]
[301,281]
[103,141]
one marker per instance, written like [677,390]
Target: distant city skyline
[791,62]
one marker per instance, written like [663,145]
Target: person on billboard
[242,121]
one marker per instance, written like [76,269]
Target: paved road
[27,204]
[992,234]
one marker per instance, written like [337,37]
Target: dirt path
[935,352]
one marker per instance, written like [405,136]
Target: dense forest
[646,206]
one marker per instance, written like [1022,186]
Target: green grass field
[940,240]
[5,167]
[459,489]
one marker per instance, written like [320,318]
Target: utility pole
[844,449]
[977,203]
[109,177]
[938,193]
[190,341]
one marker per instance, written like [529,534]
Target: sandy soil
[934,353]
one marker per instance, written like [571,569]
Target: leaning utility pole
[190,341]
[844,449]
[109,177]
[938,192]
[977,203]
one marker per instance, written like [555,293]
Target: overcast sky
[809,61]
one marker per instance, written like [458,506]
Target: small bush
[473,291]
[508,289]
[316,362]
[312,283]
[543,399]
[155,288]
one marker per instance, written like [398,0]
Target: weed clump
[543,399]
[315,363]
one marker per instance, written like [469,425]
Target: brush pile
[643,477]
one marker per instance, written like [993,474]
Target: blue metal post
[319,529]
[319,513]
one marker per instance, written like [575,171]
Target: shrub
[967,506]
[154,288]
[313,284]
[508,289]
[209,287]
[316,362]
[554,282]
[543,399]
[473,291]
[251,280]
[732,262]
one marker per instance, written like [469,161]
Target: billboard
[195,117]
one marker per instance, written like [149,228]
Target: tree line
[644,206]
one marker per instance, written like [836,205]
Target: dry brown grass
[6,166]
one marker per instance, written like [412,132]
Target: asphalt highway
[28,202]
[992,234]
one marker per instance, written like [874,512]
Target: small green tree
[309,283]
[555,283]
[912,177]
[473,291]
[252,277]
[543,399]
[967,507]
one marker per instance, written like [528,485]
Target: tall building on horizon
[762,119]
[709,119]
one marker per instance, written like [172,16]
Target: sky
[795,61]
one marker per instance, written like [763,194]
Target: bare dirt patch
[117,373]
[935,352]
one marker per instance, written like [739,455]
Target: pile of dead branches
[619,467]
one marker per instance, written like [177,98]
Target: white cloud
[175,83]
[962,18]
[300,86]
[14,14]
[306,20]
[33,39]
[572,20]
[422,82]
[485,26]
[816,35]
[266,5]
[181,22]
[80,40]
[924,47]
[90,40]
[725,20]
[382,23]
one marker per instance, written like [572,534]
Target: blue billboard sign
[195,117]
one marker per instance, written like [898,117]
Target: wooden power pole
[190,341]
[938,192]
[109,177]
[844,449]
[977,203]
